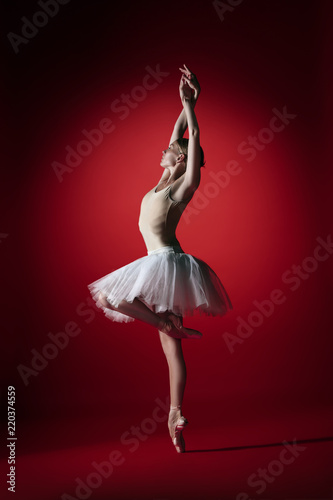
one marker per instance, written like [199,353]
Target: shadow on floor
[234,448]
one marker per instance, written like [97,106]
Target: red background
[61,236]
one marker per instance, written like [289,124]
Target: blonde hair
[183,149]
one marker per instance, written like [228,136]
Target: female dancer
[167,284]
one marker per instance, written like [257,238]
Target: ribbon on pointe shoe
[179,426]
[176,320]
[178,440]
[186,333]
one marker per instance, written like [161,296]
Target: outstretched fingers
[186,71]
[191,79]
[189,72]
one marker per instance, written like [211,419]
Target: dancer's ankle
[164,326]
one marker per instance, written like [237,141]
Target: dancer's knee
[103,301]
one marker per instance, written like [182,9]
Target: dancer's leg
[139,310]
[135,309]
[173,351]
[177,376]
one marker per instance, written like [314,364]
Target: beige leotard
[159,217]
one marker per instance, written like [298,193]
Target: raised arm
[192,174]
[181,123]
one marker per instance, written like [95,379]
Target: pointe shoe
[174,328]
[176,432]
[176,320]
[178,440]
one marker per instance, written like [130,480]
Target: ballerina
[168,284]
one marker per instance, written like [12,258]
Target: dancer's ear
[180,158]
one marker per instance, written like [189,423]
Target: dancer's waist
[167,249]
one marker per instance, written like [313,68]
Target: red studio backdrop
[91,97]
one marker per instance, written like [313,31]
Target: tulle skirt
[167,279]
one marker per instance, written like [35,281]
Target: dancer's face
[170,155]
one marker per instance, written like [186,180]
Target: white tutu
[167,279]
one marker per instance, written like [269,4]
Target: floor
[288,457]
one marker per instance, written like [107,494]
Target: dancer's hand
[192,82]
[185,91]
